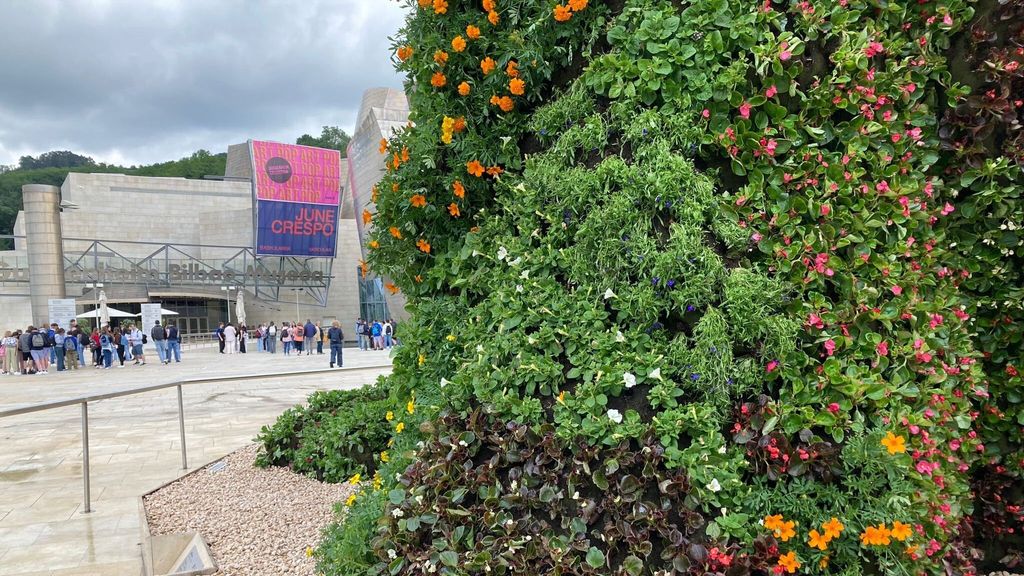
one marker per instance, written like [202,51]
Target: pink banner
[292,173]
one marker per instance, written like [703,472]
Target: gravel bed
[257,521]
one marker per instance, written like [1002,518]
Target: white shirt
[229,333]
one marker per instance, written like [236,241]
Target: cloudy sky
[141,81]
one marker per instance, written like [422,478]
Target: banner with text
[297,192]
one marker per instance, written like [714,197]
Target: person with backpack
[271,339]
[71,351]
[336,338]
[286,338]
[388,331]
[298,337]
[25,346]
[377,332]
[159,337]
[107,347]
[173,344]
[37,346]
[58,348]
[136,339]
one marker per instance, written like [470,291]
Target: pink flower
[874,48]
[815,321]
[745,110]
[948,209]
[882,186]
[784,53]
[830,346]
[756,237]
[897,290]
[826,209]
[910,88]
[706,113]
[947,20]
[834,408]
[771,91]
[772,366]
[882,348]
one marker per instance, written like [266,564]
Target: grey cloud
[142,81]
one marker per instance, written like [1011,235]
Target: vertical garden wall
[709,286]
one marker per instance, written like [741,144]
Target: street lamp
[227,294]
[96,286]
[297,290]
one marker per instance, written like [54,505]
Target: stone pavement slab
[134,448]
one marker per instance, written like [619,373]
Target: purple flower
[690,308]
[655,281]
[694,377]
[671,283]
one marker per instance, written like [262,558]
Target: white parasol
[240,308]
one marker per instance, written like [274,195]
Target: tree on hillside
[55,159]
[332,138]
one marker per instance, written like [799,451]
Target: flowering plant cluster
[692,291]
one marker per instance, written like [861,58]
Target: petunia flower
[615,416]
[629,380]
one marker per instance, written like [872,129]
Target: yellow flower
[816,540]
[351,500]
[561,397]
[377,480]
[354,479]
[309,551]
[789,562]
[422,359]
[411,407]
[400,427]
[895,444]
[832,528]
[389,416]
[450,337]
[384,457]
[901,531]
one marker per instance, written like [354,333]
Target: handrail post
[181,425]
[85,456]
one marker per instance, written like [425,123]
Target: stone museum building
[190,245]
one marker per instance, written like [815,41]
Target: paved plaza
[134,448]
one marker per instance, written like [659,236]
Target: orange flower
[423,245]
[789,562]
[405,153]
[418,278]
[495,100]
[474,229]
[394,186]
[395,161]
[475,168]
[472,32]
[391,288]
[367,217]
[561,397]
[383,146]
[875,536]
[453,209]
[423,3]
[438,80]
[489,5]
[512,69]
[901,531]
[364,268]
[404,53]
[494,170]
[487,65]
[464,89]
[773,522]
[786,531]
[506,104]
[893,443]
[493,18]
[440,6]
[418,200]
[832,528]
[460,124]
[440,57]
[517,87]
[374,244]
[818,541]
[395,232]
[577,5]
[562,13]
[458,43]
[460,190]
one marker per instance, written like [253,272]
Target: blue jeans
[60,361]
[161,349]
[362,341]
[108,357]
[387,340]
[259,344]
[336,354]
[174,347]
[287,347]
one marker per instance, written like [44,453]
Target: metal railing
[85,400]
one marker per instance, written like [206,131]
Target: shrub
[339,433]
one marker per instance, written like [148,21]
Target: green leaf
[595,557]
[449,558]
[633,565]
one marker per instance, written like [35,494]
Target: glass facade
[372,304]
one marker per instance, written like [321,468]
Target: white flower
[721,449]
[656,373]
[515,262]
[519,287]
[525,274]
[397,513]
[615,416]
[502,253]
[444,382]
[392,554]
[609,294]
[479,347]
[714,486]
[629,380]
[476,253]
[619,336]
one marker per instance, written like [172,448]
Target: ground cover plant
[699,287]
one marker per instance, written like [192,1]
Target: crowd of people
[38,350]
[295,337]
[375,335]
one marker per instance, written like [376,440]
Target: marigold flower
[418,278]
[411,407]
[562,13]
[423,3]
[789,562]
[391,288]
[493,18]
[351,500]
[460,190]
[404,53]
[418,200]
[823,563]
[517,87]
[512,69]
[901,531]
[487,65]
[395,232]
[472,32]
[494,171]
[458,43]
[506,104]
[400,427]
[773,522]
[453,209]
[832,528]
[354,479]
[423,245]
[475,168]
[578,5]
[440,57]
[489,5]
[394,186]
[383,146]
[405,153]
[893,443]
[464,89]
[817,540]
[396,161]
[873,536]
[367,217]
[786,530]
[384,455]
[438,80]
[440,6]
[374,194]
[460,124]
[495,99]
[389,416]
[374,244]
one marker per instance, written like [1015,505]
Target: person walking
[136,341]
[173,344]
[71,350]
[272,338]
[159,336]
[336,338]
[286,338]
[229,338]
